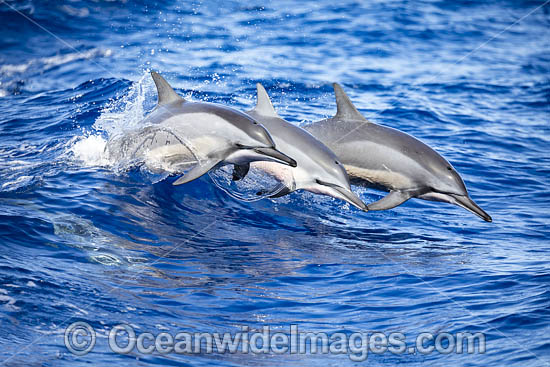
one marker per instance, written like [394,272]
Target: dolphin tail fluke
[197,171]
[393,199]
[240,171]
[166,93]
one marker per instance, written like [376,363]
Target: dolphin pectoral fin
[197,171]
[393,199]
[240,171]
[284,191]
[276,192]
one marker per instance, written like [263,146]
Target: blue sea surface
[85,239]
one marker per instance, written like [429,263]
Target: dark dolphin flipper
[284,191]
[240,171]
[197,171]
[276,192]
[393,199]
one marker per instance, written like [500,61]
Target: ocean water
[87,239]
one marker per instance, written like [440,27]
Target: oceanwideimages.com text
[80,339]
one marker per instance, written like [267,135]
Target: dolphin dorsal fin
[345,108]
[263,104]
[166,93]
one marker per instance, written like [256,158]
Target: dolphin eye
[336,162]
[449,168]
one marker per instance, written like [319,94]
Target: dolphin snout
[351,198]
[345,194]
[468,204]
[276,155]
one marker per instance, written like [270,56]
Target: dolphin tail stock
[393,199]
[197,171]
[166,94]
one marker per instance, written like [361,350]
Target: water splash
[90,151]
[249,189]
[120,116]
[125,113]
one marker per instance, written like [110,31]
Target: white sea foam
[17,183]
[90,151]
[118,117]
[7,301]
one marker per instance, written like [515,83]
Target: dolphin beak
[351,198]
[468,204]
[277,155]
[346,195]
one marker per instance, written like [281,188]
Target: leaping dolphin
[317,167]
[179,133]
[389,159]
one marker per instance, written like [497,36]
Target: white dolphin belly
[386,177]
[380,165]
[282,173]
